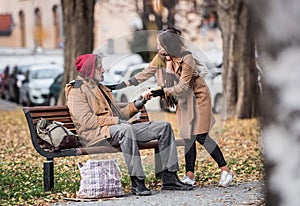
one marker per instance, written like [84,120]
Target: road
[5,105]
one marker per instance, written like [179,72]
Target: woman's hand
[158,91]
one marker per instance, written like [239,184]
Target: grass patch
[21,167]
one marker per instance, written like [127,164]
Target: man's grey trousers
[128,136]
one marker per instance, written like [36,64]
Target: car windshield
[44,74]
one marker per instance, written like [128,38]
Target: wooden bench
[61,114]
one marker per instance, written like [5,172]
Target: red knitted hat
[86,65]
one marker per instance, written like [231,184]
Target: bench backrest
[57,113]
[62,114]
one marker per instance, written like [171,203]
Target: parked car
[15,82]
[12,81]
[131,93]
[35,86]
[117,65]
[1,73]
[128,94]
[4,82]
[55,87]
[1,81]
[215,84]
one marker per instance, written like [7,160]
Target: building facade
[35,23]
[38,24]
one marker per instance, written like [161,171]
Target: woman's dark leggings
[210,146]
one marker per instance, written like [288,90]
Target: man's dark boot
[170,181]
[138,187]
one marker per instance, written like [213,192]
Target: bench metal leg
[48,174]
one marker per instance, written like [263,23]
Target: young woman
[182,85]
[99,120]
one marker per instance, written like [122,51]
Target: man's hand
[139,102]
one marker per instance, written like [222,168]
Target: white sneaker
[188,180]
[226,178]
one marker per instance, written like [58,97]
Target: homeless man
[98,119]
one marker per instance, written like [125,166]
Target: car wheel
[52,101]
[123,98]
[219,104]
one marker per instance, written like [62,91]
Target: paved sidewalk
[6,105]
[250,193]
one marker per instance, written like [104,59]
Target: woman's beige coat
[194,113]
[91,112]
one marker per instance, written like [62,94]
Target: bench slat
[65,120]
[50,113]
[110,149]
[43,108]
[61,114]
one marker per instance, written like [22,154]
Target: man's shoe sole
[176,188]
[140,194]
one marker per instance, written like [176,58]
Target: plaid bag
[100,178]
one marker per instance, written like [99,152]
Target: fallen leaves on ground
[21,167]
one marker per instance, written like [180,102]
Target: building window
[22,28]
[38,30]
[6,24]
[56,24]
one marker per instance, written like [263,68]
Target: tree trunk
[170,5]
[240,76]
[278,36]
[78,24]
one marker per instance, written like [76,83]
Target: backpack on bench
[56,135]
